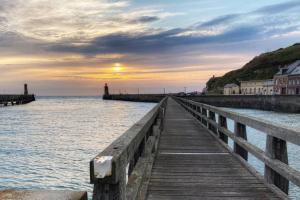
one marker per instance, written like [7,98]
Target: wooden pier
[180,150]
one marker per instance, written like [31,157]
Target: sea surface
[48,144]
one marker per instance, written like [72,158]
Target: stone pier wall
[280,103]
[155,98]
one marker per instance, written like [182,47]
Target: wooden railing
[120,171]
[275,157]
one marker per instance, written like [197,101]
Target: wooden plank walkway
[191,164]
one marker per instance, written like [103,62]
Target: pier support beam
[276,149]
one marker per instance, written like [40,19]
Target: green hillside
[261,67]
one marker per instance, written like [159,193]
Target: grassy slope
[261,67]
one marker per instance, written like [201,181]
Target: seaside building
[257,87]
[287,80]
[268,87]
[231,89]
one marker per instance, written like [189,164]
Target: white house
[231,89]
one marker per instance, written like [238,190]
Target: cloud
[160,42]
[220,20]
[57,20]
[279,8]
[145,19]
[236,27]
[91,27]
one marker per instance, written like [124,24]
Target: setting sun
[117,67]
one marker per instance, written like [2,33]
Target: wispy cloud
[237,27]
[81,39]
[93,26]
[280,8]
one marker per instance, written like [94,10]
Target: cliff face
[261,67]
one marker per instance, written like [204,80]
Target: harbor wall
[9,99]
[154,98]
[279,103]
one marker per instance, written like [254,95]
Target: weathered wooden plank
[274,167]
[190,164]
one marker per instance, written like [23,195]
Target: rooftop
[292,69]
[230,85]
[252,81]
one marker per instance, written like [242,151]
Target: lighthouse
[25,89]
[106,91]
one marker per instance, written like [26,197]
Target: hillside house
[287,80]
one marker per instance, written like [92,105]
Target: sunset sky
[64,47]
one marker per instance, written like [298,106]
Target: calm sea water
[48,144]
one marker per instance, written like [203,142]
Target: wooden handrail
[275,158]
[110,170]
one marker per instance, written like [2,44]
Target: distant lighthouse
[25,89]
[106,91]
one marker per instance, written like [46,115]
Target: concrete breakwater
[6,100]
[280,103]
[155,98]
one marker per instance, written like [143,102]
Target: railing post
[198,109]
[240,131]
[276,149]
[194,108]
[104,190]
[212,116]
[204,112]
[223,123]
